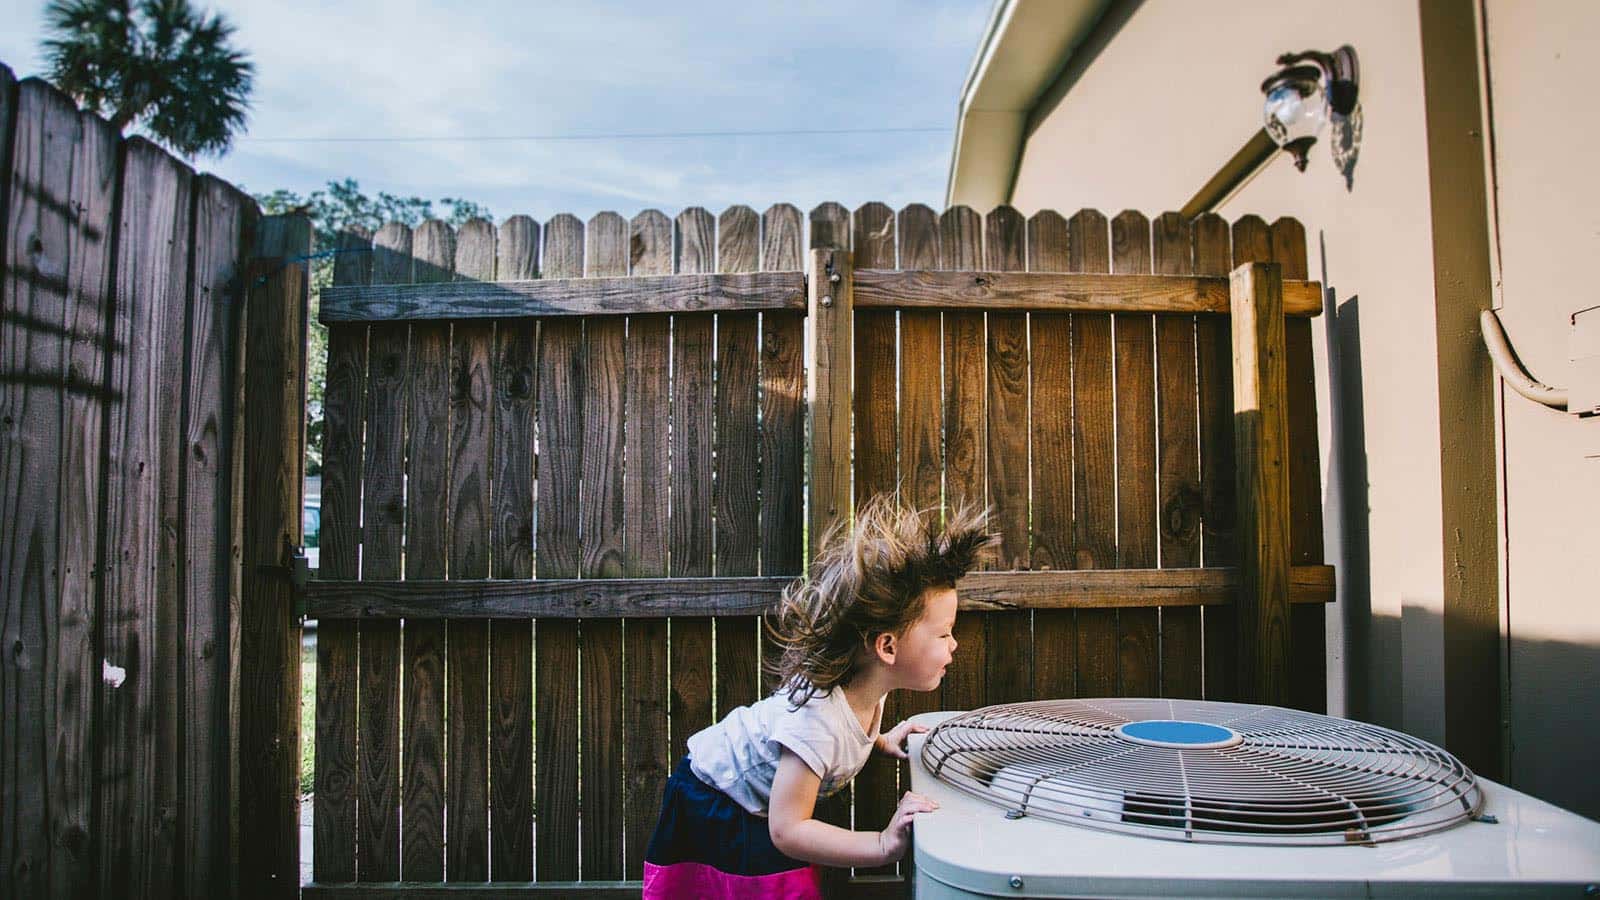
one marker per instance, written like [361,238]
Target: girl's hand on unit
[894,840]
[893,742]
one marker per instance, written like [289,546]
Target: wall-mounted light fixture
[1310,90]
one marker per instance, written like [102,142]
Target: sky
[412,68]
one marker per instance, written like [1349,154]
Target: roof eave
[1024,47]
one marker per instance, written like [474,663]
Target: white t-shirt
[739,755]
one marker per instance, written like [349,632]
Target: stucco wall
[1549,225]
[1168,100]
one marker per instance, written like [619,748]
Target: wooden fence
[120,316]
[550,507]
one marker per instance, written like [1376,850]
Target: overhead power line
[621,136]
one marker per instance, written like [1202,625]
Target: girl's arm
[797,835]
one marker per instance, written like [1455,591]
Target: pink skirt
[707,846]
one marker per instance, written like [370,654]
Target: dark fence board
[873,239]
[782,405]
[223,226]
[1010,676]
[690,641]
[601,523]
[136,727]
[1093,457]
[1308,666]
[383,524]
[467,784]
[269,644]
[334,807]
[514,384]
[647,390]
[1138,673]
[1055,632]
[560,433]
[56,267]
[961,247]
[1213,255]
[1178,477]
[427,550]
[738,462]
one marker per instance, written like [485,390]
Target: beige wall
[1548,197]
[1149,121]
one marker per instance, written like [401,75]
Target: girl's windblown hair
[869,580]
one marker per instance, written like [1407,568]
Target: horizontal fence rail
[567,297]
[660,597]
[874,288]
[1062,292]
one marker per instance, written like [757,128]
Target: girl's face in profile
[926,648]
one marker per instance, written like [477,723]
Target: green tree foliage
[160,64]
[341,207]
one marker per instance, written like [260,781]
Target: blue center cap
[1179,735]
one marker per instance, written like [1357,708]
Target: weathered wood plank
[782,404]
[1178,479]
[1261,448]
[647,398]
[383,529]
[1213,255]
[559,417]
[874,401]
[511,556]
[334,806]
[921,466]
[467,787]
[136,726]
[601,520]
[1122,292]
[598,296]
[1095,589]
[1094,537]
[1055,632]
[224,224]
[1308,673]
[1010,676]
[738,454]
[642,598]
[269,658]
[965,417]
[921,423]
[873,241]
[691,640]
[56,304]
[828,392]
[1139,661]
[426,556]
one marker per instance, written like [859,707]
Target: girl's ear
[883,647]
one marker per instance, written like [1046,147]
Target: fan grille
[1282,777]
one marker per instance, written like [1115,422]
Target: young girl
[876,616]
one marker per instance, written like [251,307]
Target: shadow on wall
[1394,666]
[1370,656]
[1553,727]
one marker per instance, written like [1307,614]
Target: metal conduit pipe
[1505,362]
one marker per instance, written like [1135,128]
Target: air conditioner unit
[1180,798]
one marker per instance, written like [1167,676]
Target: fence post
[1261,448]
[277,290]
[830,302]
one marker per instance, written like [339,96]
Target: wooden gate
[564,471]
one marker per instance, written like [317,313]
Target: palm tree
[158,63]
